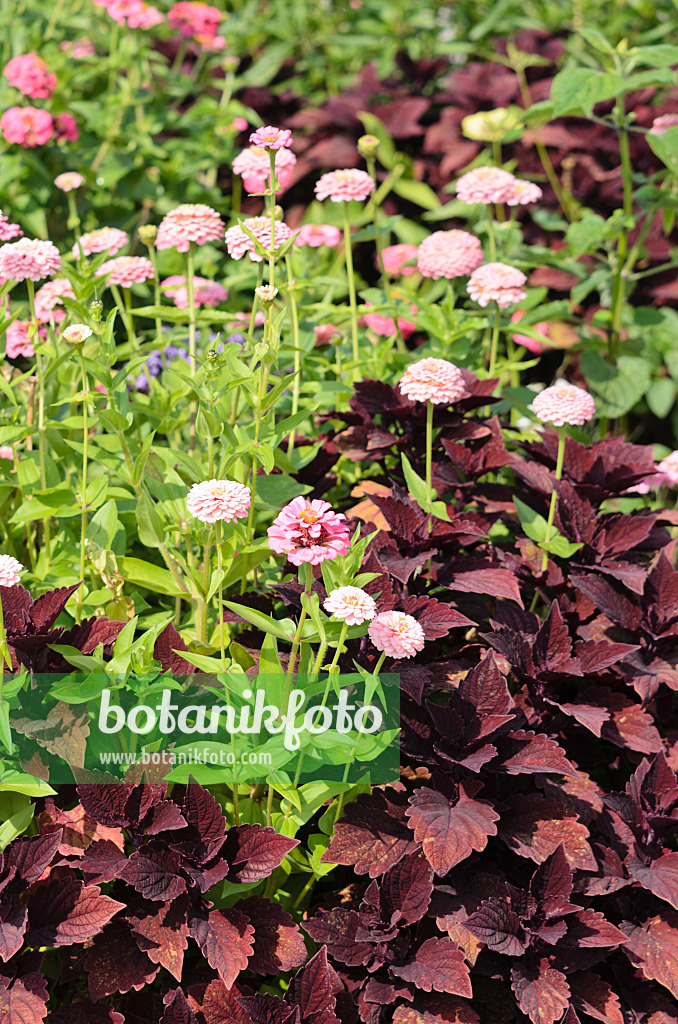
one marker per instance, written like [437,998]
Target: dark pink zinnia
[309,531]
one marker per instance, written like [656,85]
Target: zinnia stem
[41,420]
[494,343]
[400,343]
[348,253]
[271,258]
[490,233]
[429,461]
[554,498]
[83,514]
[190,271]
[292,299]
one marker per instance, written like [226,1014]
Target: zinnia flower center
[309,516]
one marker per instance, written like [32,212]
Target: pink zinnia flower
[668,469]
[27,126]
[80,49]
[244,318]
[342,186]
[31,76]
[51,295]
[140,14]
[190,222]
[449,254]
[663,123]
[10,571]
[205,293]
[127,270]
[214,501]
[351,605]
[17,342]
[238,242]
[8,230]
[396,634]
[271,138]
[29,259]
[433,380]
[531,344]
[486,185]
[524,192]
[385,326]
[110,240]
[68,181]
[6,452]
[396,256]
[497,282]
[254,166]
[193,18]
[315,235]
[66,128]
[309,531]
[324,333]
[564,403]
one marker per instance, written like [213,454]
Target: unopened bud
[368,146]
[96,310]
[266,294]
[279,213]
[230,63]
[490,125]
[147,233]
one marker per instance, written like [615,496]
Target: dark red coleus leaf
[278,943]
[448,830]
[372,835]
[178,1010]
[438,965]
[542,992]
[114,962]
[226,940]
[163,936]
[64,911]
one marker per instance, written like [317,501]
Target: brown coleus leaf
[448,830]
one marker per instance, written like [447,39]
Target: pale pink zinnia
[351,605]
[315,235]
[10,571]
[396,634]
[309,531]
[564,403]
[497,282]
[127,270]
[17,342]
[51,295]
[668,469]
[205,293]
[524,192]
[342,186]
[486,185]
[190,222]
[396,257]
[254,166]
[433,380]
[8,230]
[531,344]
[29,259]
[271,138]
[238,242]
[27,126]
[6,452]
[110,240]
[662,123]
[449,254]
[214,501]
[385,326]
[68,181]
[30,74]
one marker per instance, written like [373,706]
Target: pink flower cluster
[30,74]
[449,254]
[489,185]
[254,166]
[343,186]
[110,240]
[125,271]
[10,571]
[80,49]
[7,230]
[50,296]
[238,242]
[17,342]
[666,476]
[385,326]
[396,257]
[214,501]
[433,380]
[29,259]
[195,19]
[497,282]
[133,13]
[315,235]
[271,138]
[190,222]
[396,634]
[205,293]
[564,403]
[309,531]
[27,126]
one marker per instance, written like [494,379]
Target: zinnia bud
[266,294]
[147,233]
[368,146]
[96,310]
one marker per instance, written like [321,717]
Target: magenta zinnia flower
[497,282]
[51,295]
[315,235]
[271,138]
[396,256]
[309,531]
[10,571]
[396,634]
[194,18]
[127,270]
[238,242]
[254,166]
[190,222]
[564,403]
[486,185]
[351,605]
[385,326]
[7,230]
[205,293]
[31,76]
[66,128]
[342,186]
[110,240]
[433,380]
[449,254]
[29,259]
[215,501]
[27,126]
[68,181]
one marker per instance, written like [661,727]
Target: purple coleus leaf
[437,965]
[449,830]
[278,943]
[542,992]
[226,940]
[64,911]
[255,851]
[372,835]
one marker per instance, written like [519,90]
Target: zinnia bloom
[524,192]
[127,270]
[449,254]
[309,531]
[497,282]
[77,334]
[531,344]
[194,18]
[396,256]
[315,235]
[271,138]
[663,123]
[29,259]
[205,293]
[66,128]
[238,242]
[51,295]
[190,222]
[397,634]
[10,571]
[27,126]
[110,240]
[8,230]
[254,166]
[668,469]
[31,76]
[564,403]
[342,186]
[433,380]
[17,342]
[351,605]
[324,333]
[68,181]
[6,452]
[486,185]
[385,326]
[214,501]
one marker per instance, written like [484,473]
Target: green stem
[263,381]
[400,343]
[73,217]
[429,461]
[83,514]
[272,183]
[190,271]
[348,254]
[494,343]
[542,151]
[619,285]
[46,527]
[554,498]
[296,384]
[490,233]
[307,573]
[156,295]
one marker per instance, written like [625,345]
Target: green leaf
[661,397]
[12,781]
[417,192]
[261,621]
[152,577]
[5,730]
[665,146]
[585,235]
[149,522]
[617,388]
[577,90]
[277,489]
[15,825]
[534,525]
